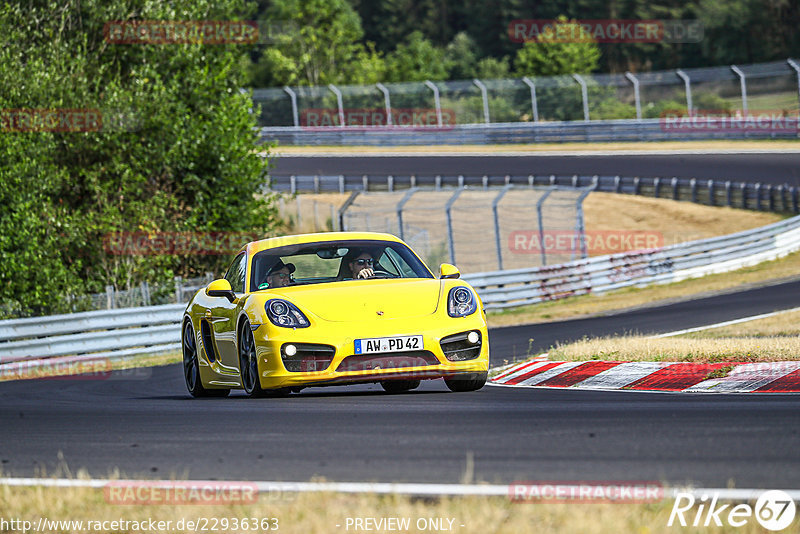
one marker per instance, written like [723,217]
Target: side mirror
[220,288]
[448,271]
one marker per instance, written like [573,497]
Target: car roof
[281,241]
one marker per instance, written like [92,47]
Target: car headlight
[286,314]
[461,302]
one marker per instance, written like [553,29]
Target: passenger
[279,275]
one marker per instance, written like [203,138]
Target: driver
[279,275]
[361,266]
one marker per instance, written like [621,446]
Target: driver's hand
[366,273]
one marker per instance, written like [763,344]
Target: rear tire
[469,382]
[191,366]
[399,386]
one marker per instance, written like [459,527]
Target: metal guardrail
[511,288]
[124,332]
[516,132]
[746,195]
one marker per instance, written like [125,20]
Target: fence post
[338,94]
[579,225]
[534,104]
[299,211]
[796,68]
[495,202]
[635,81]
[485,97]
[687,84]
[386,102]
[145,293]
[539,220]
[743,85]
[399,210]
[178,289]
[293,184]
[333,218]
[436,101]
[344,207]
[293,97]
[584,95]
[447,207]
[109,297]
[675,192]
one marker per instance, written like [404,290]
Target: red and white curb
[766,377]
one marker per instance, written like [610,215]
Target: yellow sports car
[332,309]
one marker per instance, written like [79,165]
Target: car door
[224,315]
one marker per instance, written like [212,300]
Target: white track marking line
[621,375]
[485,490]
[725,323]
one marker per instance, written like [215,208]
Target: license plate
[387,344]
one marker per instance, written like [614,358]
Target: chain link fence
[473,228]
[733,89]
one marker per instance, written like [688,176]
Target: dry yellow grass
[681,349]
[782,324]
[323,513]
[543,147]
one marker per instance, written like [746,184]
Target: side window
[235,274]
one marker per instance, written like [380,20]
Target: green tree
[176,151]
[549,55]
[416,59]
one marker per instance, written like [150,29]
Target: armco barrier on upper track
[746,195]
[123,332]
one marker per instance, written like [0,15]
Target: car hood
[366,300]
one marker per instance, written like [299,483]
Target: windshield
[333,261]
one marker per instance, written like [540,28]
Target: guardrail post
[584,95]
[743,187]
[635,82]
[617,184]
[781,192]
[390,183]
[447,207]
[693,187]
[770,200]
[413,180]
[344,208]
[438,182]
[636,183]
[498,245]
[460,180]
[794,199]
[710,185]
[675,194]
[145,293]
[540,223]
[400,206]
[687,85]
[341,184]
[436,101]
[552,179]
[316,183]
[178,290]
[534,105]
[728,193]
[758,196]
[293,97]
[293,184]
[796,68]
[338,94]
[743,85]
[530,181]
[656,187]
[485,181]
[365,182]
[485,97]
[386,102]
[109,297]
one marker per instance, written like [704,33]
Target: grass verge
[771,339]
[311,513]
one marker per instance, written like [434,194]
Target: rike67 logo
[774,510]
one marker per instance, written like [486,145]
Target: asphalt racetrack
[144,423]
[771,168]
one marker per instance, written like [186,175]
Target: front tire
[191,366]
[399,386]
[248,366]
[469,382]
